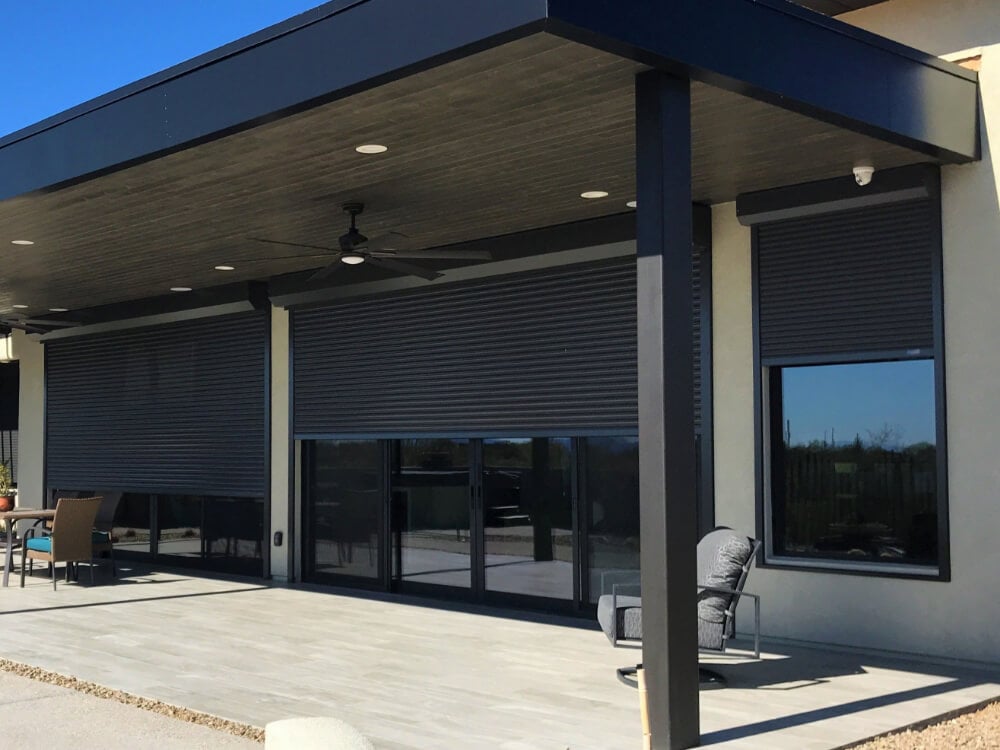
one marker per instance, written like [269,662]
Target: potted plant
[7,492]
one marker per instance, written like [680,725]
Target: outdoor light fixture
[225,268]
[593,194]
[20,307]
[21,242]
[58,309]
[180,289]
[352,259]
[632,204]
[372,148]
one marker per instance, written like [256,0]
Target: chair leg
[114,571]
[69,572]
[31,566]
[91,571]
[53,565]
[23,555]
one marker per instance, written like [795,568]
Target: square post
[667,483]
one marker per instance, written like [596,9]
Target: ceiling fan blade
[294,244]
[441,254]
[277,257]
[407,268]
[387,241]
[327,270]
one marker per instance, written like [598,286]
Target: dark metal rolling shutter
[176,408]
[552,351]
[847,282]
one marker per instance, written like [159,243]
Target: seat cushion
[628,617]
[40,544]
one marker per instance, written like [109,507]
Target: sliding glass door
[528,517]
[431,512]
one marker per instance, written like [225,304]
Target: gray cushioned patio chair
[724,561]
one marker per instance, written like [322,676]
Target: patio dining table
[11,517]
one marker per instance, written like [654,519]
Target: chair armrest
[611,578]
[622,589]
[724,590]
[732,612]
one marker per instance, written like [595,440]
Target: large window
[852,472]
[854,462]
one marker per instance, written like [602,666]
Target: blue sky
[60,53]
[838,402]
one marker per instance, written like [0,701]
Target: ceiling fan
[383,251]
[34,325]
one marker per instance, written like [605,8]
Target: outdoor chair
[71,539]
[724,561]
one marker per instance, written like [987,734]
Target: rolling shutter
[551,351]
[847,282]
[177,408]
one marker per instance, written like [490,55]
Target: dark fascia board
[839,194]
[769,50]
[329,53]
[794,58]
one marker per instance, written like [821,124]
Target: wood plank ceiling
[503,141]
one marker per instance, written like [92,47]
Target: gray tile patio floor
[413,676]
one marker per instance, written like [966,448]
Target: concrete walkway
[39,716]
[418,677]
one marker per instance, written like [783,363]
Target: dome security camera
[863,175]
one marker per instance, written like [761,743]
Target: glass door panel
[344,497]
[432,512]
[611,479]
[528,516]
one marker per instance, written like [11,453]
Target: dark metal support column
[667,484]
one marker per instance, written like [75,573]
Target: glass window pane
[854,462]
[131,526]
[528,516]
[345,500]
[430,493]
[612,495]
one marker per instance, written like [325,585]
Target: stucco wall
[954,619]
[279,443]
[31,421]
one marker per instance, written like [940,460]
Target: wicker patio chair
[71,539]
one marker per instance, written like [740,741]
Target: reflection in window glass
[345,498]
[612,487]
[528,516]
[854,462]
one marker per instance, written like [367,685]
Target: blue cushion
[40,544]
[100,537]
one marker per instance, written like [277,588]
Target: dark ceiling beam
[332,52]
[794,58]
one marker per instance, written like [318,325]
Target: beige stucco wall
[31,420]
[279,443]
[954,619]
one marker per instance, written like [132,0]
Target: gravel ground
[246,731]
[979,730]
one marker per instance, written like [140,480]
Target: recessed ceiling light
[225,268]
[593,194]
[20,307]
[632,204]
[352,259]
[371,148]
[21,242]
[58,309]
[180,289]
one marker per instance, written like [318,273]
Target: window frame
[763,415]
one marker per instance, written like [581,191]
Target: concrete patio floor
[416,676]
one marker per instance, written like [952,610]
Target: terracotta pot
[6,503]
